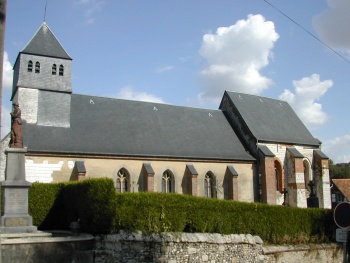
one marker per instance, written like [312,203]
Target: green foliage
[101,210]
[92,202]
[45,205]
[339,171]
[156,212]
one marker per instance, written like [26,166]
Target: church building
[251,149]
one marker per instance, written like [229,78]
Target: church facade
[252,149]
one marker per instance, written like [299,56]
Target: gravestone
[14,214]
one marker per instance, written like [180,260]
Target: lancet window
[209,185]
[30,66]
[61,70]
[122,181]
[167,182]
[54,69]
[37,67]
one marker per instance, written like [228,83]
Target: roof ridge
[148,102]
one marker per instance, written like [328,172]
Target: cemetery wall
[186,247]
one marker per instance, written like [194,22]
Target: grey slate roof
[295,152]
[80,166]
[45,43]
[232,170]
[192,170]
[133,128]
[266,151]
[321,154]
[148,168]
[271,120]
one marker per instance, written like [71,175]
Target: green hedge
[101,210]
[92,202]
[154,212]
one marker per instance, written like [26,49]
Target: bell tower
[42,83]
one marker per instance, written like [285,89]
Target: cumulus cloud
[235,56]
[128,93]
[338,149]
[307,92]
[7,73]
[332,25]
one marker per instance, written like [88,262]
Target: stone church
[252,149]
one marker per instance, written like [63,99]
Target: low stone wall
[192,248]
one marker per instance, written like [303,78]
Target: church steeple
[44,43]
[42,80]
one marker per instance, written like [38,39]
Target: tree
[339,170]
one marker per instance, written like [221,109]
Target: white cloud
[338,149]
[92,7]
[7,73]
[307,92]
[235,56]
[128,93]
[163,69]
[5,121]
[332,25]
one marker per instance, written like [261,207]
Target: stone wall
[186,247]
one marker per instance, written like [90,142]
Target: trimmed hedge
[156,212]
[92,202]
[101,210]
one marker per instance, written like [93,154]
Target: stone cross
[285,192]
[312,185]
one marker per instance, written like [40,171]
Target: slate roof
[44,43]
[344,186]
[271,120]
[295,152]
[133,128]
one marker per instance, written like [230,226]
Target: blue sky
[188,52]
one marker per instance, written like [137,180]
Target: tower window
[37,67]
[54,69]
[30,66]
[61,70]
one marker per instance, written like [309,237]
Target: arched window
[30,66]
[54,69]
[307,174]
[167,182]
[279,176]
[122,181]
[37,67]
[209,185]
[61,70]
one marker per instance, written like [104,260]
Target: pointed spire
[45,43]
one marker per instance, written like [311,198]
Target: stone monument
[14,214]
[312,200]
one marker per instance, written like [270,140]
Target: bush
[156,212]
[101,210]
[92,202]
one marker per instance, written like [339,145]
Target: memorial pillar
[14,216]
